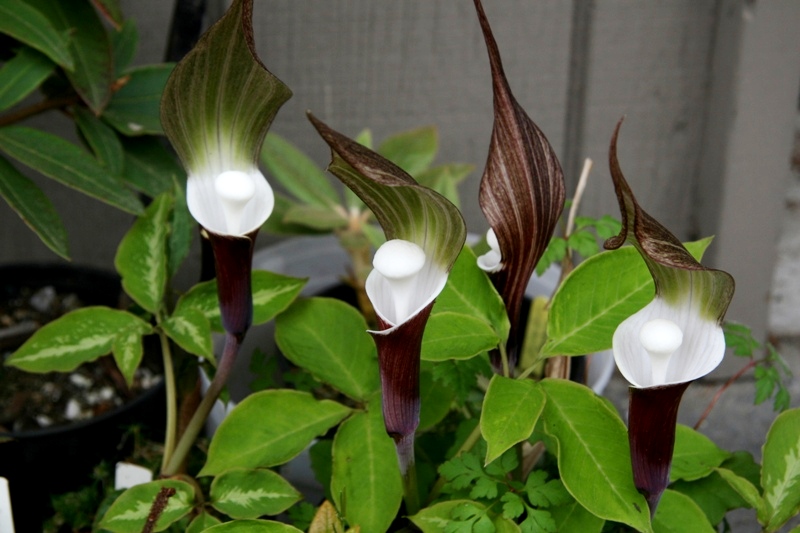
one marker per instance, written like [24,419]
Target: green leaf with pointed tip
[695,455]
[329,338]
[315,217]
[450,335]
[253,526]
[404,209]
[272,293]
[149,167]
[510,411]
[746,490]
[75,338]
[128,514]
[33,207]
[192,332]
[202,522]
[575,517]
[677,513]
[445,179]
[25,23]
[22,74]
[365,483]
[128,350]
[141,256]
[594,459]
[124,42]
[89,45]
[713,495]
[243,493]
[600,293]
[66,163]
[220,100]
[134,109]
[269,428]
[780,470]
[412,150]
[101,139]
[298,174]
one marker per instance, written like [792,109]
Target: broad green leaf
[780,470]
[365,484]
[412,150]
[128,514]
[450,335]
[33,207]
[149,167]
[89,45]
[110,10]
[128,350]
[677,513]
[435,399]
[272,293]
[469,291]
[315,217]
[276,225]
[134,109]
[268,428]
[298,174]
[242,493]
[712,494]
[182,230]
[695,455]
[142,256]
[445,179]
[743,488]
[22,74]
[192,332]
[64,162]
[329,338]
[600,293]
[510,411]
[101,139]
[594,459]
[124,42]
[75,338]
[574,517]
[202,522]
[25,23]
[253,526]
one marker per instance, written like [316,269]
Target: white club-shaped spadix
[399,262]
[660,338]
[235,189]
[491,261]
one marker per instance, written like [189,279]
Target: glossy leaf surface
[103,141]
[242,493]
[22,74]
[677,513]
[192,332]
[510,411]
[129,512]
[253,526]
[22,21]
[128,349]
[695,455]
[780,470]
[149,167]
[450,335]
[134,109]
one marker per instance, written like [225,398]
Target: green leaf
[329,338]
[124,42]
[134,109]
[192,332]
[22,74]
[469,291]
[142,256]
[678,513]
[89,45]
[543,493]
[268,428]
[574,517]
[600,293]
[272,293]
[129,512]
[412,150]
[365,484]
[315,217]
[695,455]
[25,23]
[450,335]
[435,518]
[241,493]
[510,411]
[713,494]
[104,143]
[182,229]
[110,10]
[33,207]
[64,162]
[593,454]
[75,338]
[780,470]
[202,522]
[445,179]
[149,167]
[298,174]
[743,488]
[253,526]
[435,399]
[128,349]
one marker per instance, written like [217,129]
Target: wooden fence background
[709,90]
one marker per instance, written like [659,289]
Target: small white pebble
[79,380]
[73,410]
[44,421]
[106,393]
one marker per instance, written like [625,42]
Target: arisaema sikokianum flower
[425,233]
[674,340]
[521,195]
[216,109]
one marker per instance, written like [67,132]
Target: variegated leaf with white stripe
[245,493]
[129,512]
[191,330]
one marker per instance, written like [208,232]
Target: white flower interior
[491,261]
[235,189]
[403,282]
[663,344]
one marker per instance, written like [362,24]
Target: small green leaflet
[695,455]
[128,349]
[510,411]
[192,332]
[677,513]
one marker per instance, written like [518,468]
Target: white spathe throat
[232,202]
[491,261]
[660,338]
[403,281]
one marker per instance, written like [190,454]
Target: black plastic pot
[44,462]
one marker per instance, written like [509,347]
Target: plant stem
[504,360]
[466,446]
[37,108]
[172,400]
[229,353]
[731,381]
